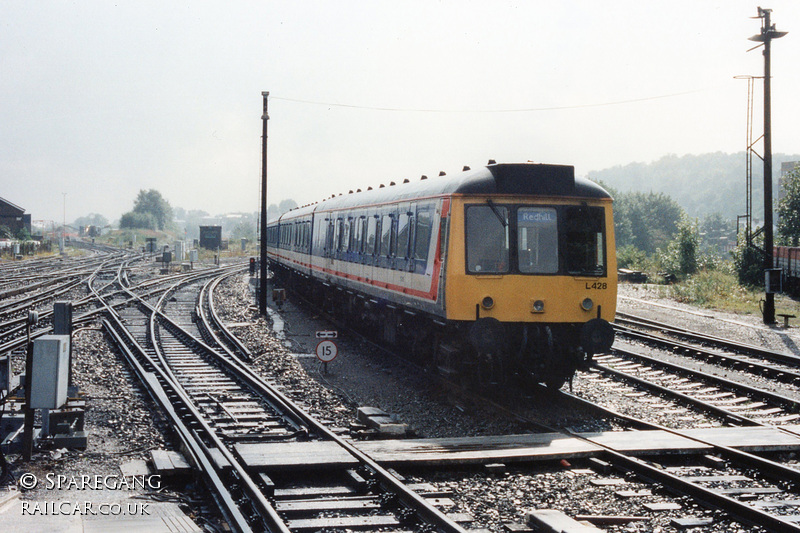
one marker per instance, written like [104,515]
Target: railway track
[781,366]
[231,420]
[742,487]
[749,487]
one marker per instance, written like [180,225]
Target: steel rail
[225,501]
[785,401]
[200,453]
[781,357]
[777,472]
[410,498]
[214,318]
[267,511]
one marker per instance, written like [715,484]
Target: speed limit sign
[327,351]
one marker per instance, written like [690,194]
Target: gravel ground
[365,376]
[644,300]
[123,425]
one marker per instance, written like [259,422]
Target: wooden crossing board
[282,456]
[546,446]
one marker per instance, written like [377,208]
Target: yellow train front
[506,270]
[531,272]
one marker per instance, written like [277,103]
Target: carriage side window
[347,245]
[403,233]
[584,239]
[386,236]
[358,234]
[537,240]
[337,234]
[372,235]
[487,239]
[423,232]
[339,238]
[322,236]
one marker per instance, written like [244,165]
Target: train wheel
[555,382]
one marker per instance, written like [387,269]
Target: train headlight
[587,304]
[537,306]
[487,302]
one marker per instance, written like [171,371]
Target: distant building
[13,217]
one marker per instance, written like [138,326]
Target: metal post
[28,430]
[62,325]
[769,304]
[768,33]
[262,292]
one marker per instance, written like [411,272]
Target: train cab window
[423,231]
[584,239]
[372,235]
[537,240]
[487,239]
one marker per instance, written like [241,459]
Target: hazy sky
[102,99]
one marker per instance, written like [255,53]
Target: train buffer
[786,318]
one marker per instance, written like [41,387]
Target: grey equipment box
[50,372]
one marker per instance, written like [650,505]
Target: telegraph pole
[768,33]
[262,275]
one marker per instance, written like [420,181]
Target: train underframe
[483,353]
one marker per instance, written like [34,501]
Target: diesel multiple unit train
[506,270]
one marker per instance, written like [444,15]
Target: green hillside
[701,184]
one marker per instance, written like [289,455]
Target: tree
[153,203]
[679,258]
[749,262]
[134,220]
[647,221]
[789,210]
[716,231]
[276,210]
[23,234]
[245,229]
[150,211]
[92,219]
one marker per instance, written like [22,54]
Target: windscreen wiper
[497,213]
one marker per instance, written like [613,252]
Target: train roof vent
[350,191]
[369,188]
[492,162]
[382,186]
[465,168]
[391,184]
[406,180]
[424,177]
[358,190]
[442,173]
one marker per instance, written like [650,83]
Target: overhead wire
[511,110]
